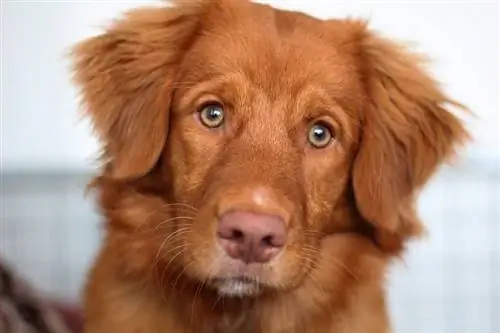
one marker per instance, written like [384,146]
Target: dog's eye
[212,115]
[320,135]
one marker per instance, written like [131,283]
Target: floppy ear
[407,133]
[126,77]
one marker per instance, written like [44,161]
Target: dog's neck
[269,316]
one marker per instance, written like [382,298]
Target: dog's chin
[237,287]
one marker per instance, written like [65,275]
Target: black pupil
[320,133]
[214,113]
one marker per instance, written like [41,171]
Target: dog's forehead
[278,51]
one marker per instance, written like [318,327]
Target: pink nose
[252,238]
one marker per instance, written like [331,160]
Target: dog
[260,168]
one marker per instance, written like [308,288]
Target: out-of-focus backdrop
[449,282]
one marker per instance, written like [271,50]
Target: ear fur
[408,132]
[126,76]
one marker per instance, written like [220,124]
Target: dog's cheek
[189,157]
[296,262]
[327,179]
[200,259]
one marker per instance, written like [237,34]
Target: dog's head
[263,131]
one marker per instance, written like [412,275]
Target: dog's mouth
[238,286]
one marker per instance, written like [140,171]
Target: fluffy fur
[164,176]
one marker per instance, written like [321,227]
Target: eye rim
[329,130]
[206,106]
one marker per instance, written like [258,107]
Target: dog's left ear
[407,133]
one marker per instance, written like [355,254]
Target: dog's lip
[237,286]
[244,279]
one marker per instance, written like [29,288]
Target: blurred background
[49,231]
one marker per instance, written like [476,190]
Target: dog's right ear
[126,77]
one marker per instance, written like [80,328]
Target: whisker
[180,248]
[165,270]
[341,264]
[172,219]
[177,233]
[186,267]
[170,206]
[310,250]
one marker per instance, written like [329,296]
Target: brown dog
[260,168]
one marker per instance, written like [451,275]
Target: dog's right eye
[320,135]
[212,115]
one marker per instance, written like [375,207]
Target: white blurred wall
[41,128]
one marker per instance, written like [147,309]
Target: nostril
[237,235]
[231,234]
[268,241]
[274,240]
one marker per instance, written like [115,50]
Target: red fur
[164,176]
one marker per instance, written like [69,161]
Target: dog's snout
[252,238]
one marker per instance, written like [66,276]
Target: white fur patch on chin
[237,288]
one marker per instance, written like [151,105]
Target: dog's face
[261,138]
[270,129]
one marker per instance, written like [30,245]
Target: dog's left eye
[212,115]
[320,135]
